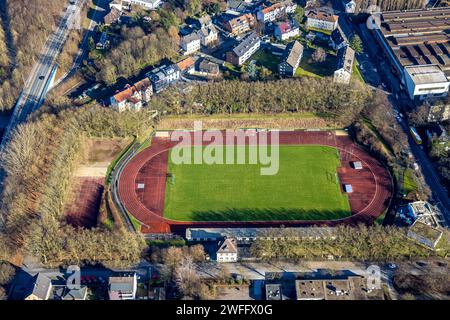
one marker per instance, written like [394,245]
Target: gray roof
[207,30]
[205,20]
[424,74]
[227,246]
[246,43]
[41,286]
[346,55]
[293,53]
[122,283]
[252,233]
[190,37]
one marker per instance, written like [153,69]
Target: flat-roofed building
[426,81]
[413,38]
[354,287]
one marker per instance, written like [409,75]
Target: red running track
[372,186]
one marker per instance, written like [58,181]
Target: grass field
[305,188]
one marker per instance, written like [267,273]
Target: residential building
[133,97]
[244,50]
[41,288]
[144,89]
[113,16]
[240,24]
[322,19]
[208,68]
[416,37]
[286,30]
[291,59]
[119,5]
[338,40]
[425,82]
[321,285]
[128,99]
[276,11]
[186,65]
[163,76]
[208,35]
[227,251]
[123,286]
[353,287]
[148,4]
[190,43]
[204,21]
[343,73]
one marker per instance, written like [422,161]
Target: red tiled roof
[186,63]
[125,94]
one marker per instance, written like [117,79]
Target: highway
[40,78]
[100,10]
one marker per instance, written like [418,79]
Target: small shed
[357,165]
[348,188]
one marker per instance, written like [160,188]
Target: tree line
[361,243]
[330,100]
[38,165]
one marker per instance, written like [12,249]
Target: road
[37,84]
[100,10]
[377,69]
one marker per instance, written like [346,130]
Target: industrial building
[417,44]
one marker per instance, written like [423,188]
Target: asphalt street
[377,72]
[38,82]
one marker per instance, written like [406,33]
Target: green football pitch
[306,187]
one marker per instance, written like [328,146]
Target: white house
[322,19]
[426,82]
[133,97]
[227,251]
[190,43]
[343,73]
[285,30]
[275,11]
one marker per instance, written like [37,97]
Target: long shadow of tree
[267,214]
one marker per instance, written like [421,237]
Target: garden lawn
[305,188]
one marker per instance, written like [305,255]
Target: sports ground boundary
[373,186]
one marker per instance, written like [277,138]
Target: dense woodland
[362,243]
[334,101]
[25,25]
[33,199]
